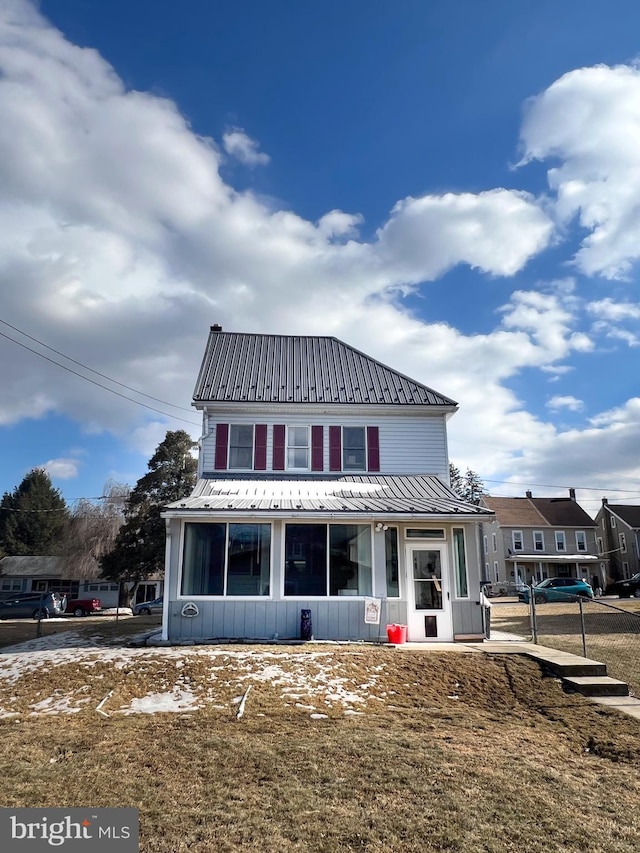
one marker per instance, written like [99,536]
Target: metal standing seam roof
[425,495]
[249,368]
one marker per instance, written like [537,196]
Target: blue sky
[452,187]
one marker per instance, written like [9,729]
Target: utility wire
[91,370]
[99,384]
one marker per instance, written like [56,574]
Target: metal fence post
[584,638]
[532,614]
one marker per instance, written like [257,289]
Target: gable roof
[538,512]
[23,567]
[563,512]
[243,367]
[515,512]
[379,494]
[628,513]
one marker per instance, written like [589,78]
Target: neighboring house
[323,487]
[618,533]
[538,538]
[48,574]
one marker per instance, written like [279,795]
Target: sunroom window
[226,559]
[323,560]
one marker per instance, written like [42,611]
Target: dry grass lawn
[445,751]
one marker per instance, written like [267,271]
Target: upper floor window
[623,542]
[241,446]
[298,449]
[600,546]
[538,540]
[581,540]
[354,449]
[613,521]
[517,540]
[485,544]
[561,542]
[494,541]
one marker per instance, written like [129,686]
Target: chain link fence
[604,630]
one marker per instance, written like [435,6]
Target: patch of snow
[319,716]
[177,701]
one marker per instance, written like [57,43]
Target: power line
[91,370]
[633,492]
[99,384]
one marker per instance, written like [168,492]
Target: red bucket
[397,634]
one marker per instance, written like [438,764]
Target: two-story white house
[323,487]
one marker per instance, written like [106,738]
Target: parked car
[625,588]
[83,606]
[558,589]
[25,605]
[146,608]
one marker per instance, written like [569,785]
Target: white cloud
[610,310]
[237,144]
[495,231]
[567,402]
[589,120]
[61,469]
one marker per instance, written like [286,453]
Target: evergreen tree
[140,544]
[470,487]
[32,517]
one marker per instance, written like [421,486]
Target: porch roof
[365,495]
[552,558]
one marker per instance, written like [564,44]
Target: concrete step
[597,685]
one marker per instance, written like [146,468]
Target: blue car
[557,589]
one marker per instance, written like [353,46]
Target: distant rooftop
[539,512]
[244,367]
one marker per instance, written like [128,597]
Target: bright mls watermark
[103,830]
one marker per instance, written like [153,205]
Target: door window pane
[427,580]
[241,446]
[349,559]
[354,456]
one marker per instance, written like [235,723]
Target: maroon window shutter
[260,447]
[373,449]
[279,431]
[317,449]
[222,444]
[335,448]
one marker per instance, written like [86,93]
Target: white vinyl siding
[408,445]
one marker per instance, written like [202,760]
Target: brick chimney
[216,327]
[572,494]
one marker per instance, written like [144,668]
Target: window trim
[539,533]
[494,541]
[457,569]
[410,533]
[584,549]
[622,541]
[180,596]
[560,536]
[328,597]
[365,433]
[513,541]
[231,467]
[613,520]
[307,446]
